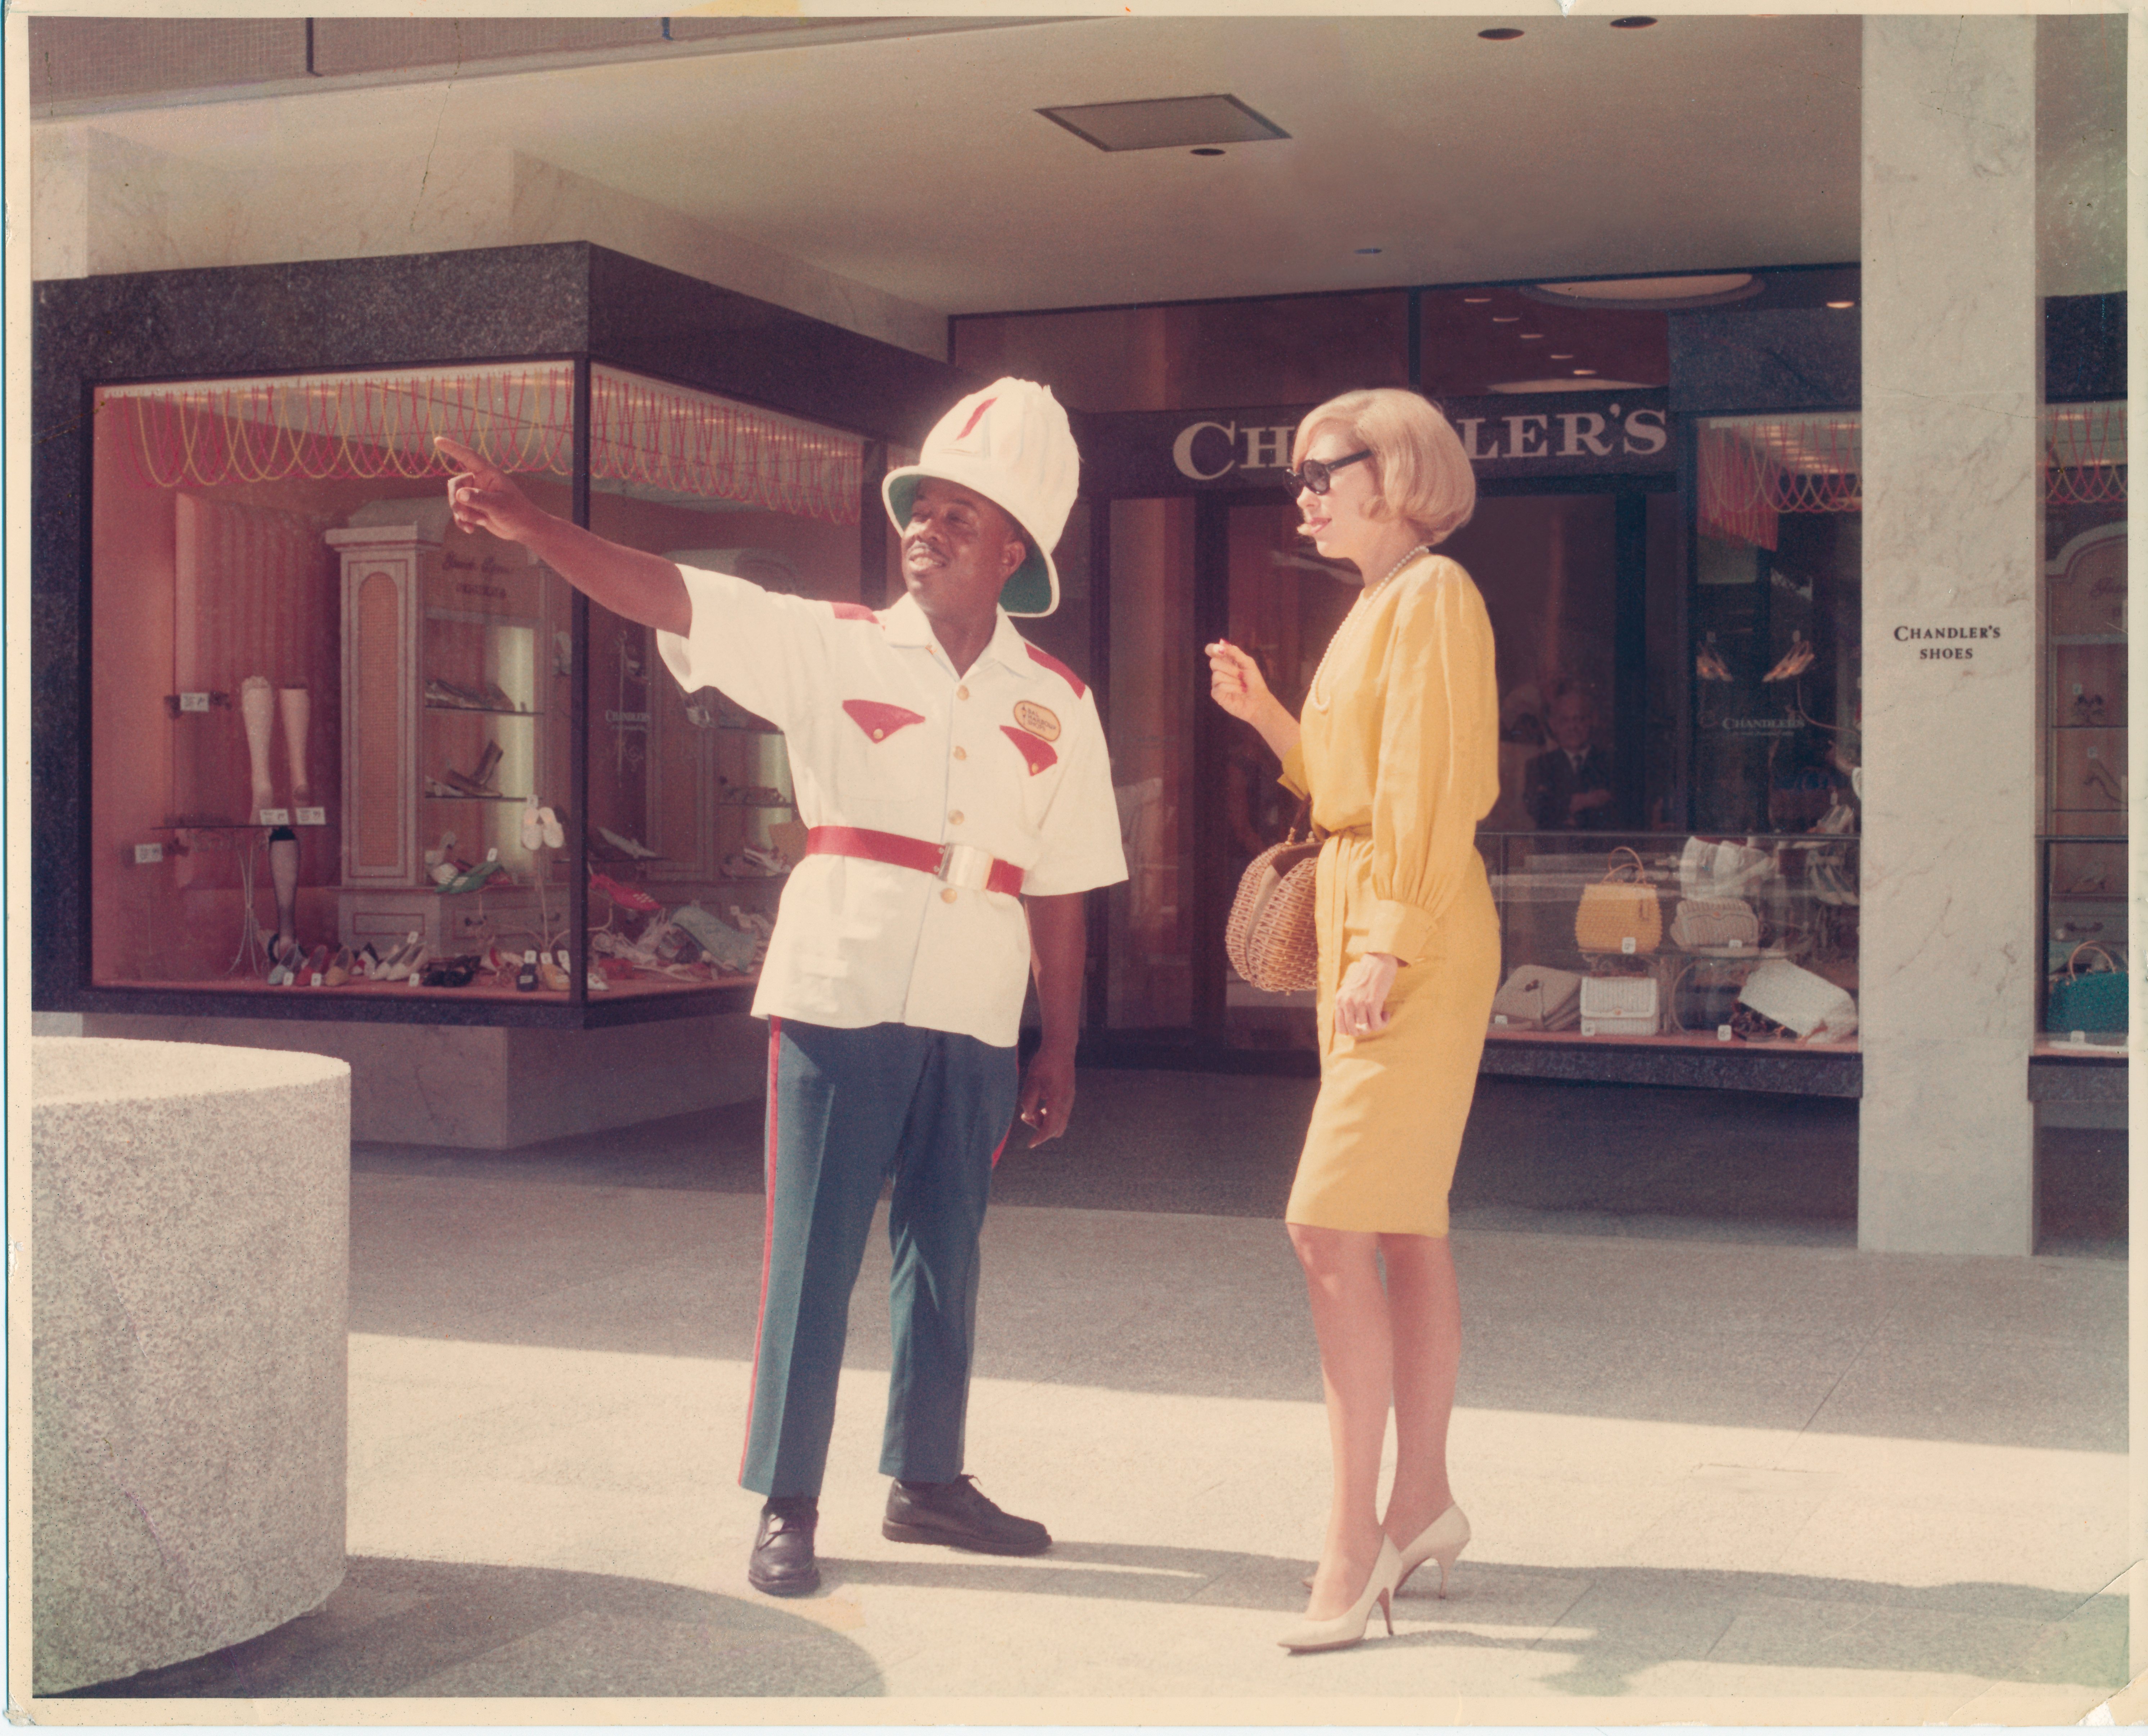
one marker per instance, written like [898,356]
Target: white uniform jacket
[1008,757]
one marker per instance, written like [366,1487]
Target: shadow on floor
[414,1630]
[450,1629]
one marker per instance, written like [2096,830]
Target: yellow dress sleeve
[1437,759]
[1293,771]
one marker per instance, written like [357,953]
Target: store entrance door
[1560,575]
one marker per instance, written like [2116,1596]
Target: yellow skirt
[1387,1128]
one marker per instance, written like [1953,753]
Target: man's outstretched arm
[643,588]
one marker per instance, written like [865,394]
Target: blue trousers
[846,1110]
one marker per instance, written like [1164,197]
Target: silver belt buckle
[966,866]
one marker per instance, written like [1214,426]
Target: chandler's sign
[1564,433]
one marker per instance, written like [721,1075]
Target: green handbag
[2089,1000]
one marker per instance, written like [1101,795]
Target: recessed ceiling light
[1476,301]
[1842,304]
[1529,337]
[1501,35]
[1636,23]
[1506,319]
[1643,294]
[1583,372]
[1153,123]
[1557,357]
[1207,150]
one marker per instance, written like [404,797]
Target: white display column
[1952,523]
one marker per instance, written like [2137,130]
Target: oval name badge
[1037,719]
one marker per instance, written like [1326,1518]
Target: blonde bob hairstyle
[1423,475]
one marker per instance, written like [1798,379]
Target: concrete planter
[190,1253]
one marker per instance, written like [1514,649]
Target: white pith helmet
[1012,443]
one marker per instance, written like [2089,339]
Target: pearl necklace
[1315,695]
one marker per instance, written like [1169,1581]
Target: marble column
[1952,518]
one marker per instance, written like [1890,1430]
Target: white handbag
[1620,1006]
[1714,922]
[1536,997]
[1800,1000]
[1721,870]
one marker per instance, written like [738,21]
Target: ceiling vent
[1165,123]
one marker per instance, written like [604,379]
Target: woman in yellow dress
[1398,748]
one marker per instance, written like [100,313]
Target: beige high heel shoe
[1348,1628]
[1441,1541]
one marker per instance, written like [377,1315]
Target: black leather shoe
[782,1562]
[958,1513]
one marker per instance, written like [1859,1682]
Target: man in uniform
[958,792]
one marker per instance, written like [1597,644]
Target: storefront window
[693,829]
[2084,622]
[1776,627]
[310,692]
[1157,676]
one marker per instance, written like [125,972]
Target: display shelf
[477,711]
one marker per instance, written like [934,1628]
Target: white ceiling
[917,164]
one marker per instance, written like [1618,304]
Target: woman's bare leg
[1357,1369]
[1424,1310]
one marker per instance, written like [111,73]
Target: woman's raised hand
[481,497]
[1235,682]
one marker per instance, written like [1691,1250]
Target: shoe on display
[958,1514]
[633,849]
[526,979]
[450,973]
[782,1564]
[627,898]
[550,975]
[471,878]
[339,968]
[770,861]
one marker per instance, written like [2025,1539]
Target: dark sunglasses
[1315,475]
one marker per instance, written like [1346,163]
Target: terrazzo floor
[1722,1468]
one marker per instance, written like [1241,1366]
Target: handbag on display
[1714,922]
[2090,1000]
[1536,997]
[1708,869]
[1619,913]
[1800,1001]
[1620,1006]
[1269,938]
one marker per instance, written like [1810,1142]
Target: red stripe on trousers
[1001,1146]
[767,1238]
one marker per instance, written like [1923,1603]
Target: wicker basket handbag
[1270,938]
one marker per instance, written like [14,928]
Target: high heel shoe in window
[1348,1628]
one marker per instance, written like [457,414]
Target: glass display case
[1746,939]
[342,746]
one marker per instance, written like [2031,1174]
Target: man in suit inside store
[1568,787]
[958,793]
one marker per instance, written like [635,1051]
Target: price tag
[1725,1034]
[275,816]
[193,702]
[145,853]
[1626,943]
[1498,1018]
[312,817]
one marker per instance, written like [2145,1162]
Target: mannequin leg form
[257,709]
[284,871]
[298,704]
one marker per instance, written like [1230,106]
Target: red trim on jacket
[1057,668]
[1035,749]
